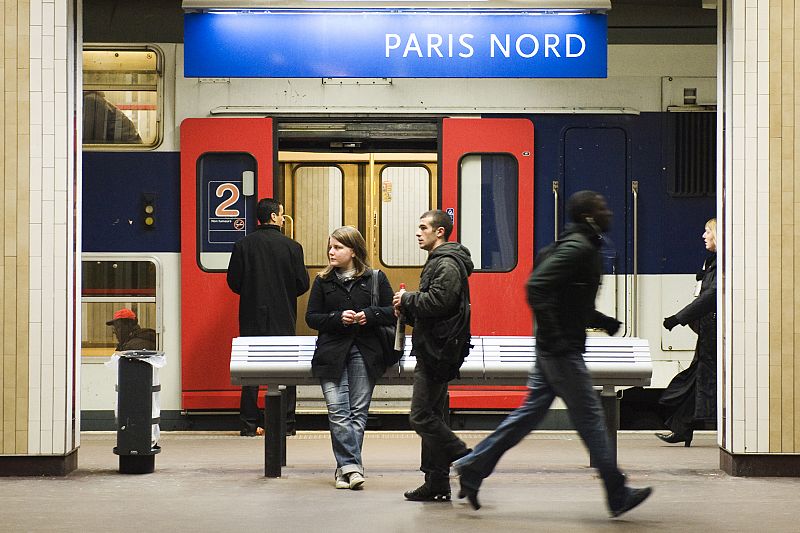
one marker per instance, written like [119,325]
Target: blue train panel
[115,185]
[595,152]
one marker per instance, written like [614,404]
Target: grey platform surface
[215,482]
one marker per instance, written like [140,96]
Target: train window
[405,193]
[318,209]
[226,207]
[488,202]
[109,285]
[121,97]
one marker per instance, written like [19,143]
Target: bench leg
[611,407]
[284,401]
[272,432]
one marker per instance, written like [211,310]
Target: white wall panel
[634,81]
[51,233]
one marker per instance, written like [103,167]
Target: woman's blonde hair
[352,238]
[712,225]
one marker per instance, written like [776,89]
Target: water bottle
[400,332]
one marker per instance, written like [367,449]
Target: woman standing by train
[348,359]
[692,394]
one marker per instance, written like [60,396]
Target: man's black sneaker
[424,493]
[471,495]
[629,499]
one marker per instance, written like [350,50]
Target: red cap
[122,313]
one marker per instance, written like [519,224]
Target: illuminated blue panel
[377,44]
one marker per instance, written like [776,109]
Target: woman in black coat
[348,359]
[692,394]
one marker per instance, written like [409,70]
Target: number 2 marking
[222,209]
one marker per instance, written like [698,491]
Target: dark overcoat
[268,273]
[328,298]
[700,379]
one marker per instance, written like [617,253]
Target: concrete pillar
[759,204]
[40,269]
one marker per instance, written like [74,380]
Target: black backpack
[443,362]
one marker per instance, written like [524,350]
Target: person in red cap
[130,336]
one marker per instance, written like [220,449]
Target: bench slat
[502,360]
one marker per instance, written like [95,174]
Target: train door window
[405,194]
[318,209]
[488,200]
[122,95]
[226,205]
[108,285]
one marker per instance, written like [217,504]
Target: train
[161,209]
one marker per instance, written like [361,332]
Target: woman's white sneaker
[356,481]
[342,481]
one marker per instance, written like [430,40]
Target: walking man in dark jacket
[561,292]
[268,272]
[439,313]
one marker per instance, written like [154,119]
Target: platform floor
[215,482]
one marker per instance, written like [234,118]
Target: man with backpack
[440,314]
[561,292]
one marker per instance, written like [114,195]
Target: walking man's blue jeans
[565,376]
[348,406]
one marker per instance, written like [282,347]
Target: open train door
[487,187]
[226,166]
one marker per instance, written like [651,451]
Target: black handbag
[385,333]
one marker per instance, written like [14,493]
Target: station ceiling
[629,22]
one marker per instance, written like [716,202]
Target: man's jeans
[565,376]
[439,444]
[348,406]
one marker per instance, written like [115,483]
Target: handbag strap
[375,288]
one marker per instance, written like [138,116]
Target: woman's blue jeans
[348,406]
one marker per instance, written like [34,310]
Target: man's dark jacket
[328,298]
[267,271]
[562,290]
[131,336]
[440,311]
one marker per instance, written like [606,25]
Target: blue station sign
[405,44]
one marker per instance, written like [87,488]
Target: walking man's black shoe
[630,499]
[471,495]
[425,493]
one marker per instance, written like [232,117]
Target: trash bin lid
[140,354]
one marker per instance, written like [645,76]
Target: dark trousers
[251,416]
[440,446]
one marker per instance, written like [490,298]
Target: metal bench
[275,361]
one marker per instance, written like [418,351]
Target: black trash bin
[137,420]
